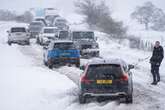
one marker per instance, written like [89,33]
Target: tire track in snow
[146,97]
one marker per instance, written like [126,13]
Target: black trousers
[155,72]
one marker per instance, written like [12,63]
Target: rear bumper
[90,52]
[117,94]
[113,92]
[62,61]
[34,34]
[18,41]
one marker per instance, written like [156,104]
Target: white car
[19,35]
[47,34]
[61,23]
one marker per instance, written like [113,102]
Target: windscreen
[42,20]
[63,35]
[64,46]
[83,35]
[36,24]
[50,30]
[61,21]
[104,71]
[18,30]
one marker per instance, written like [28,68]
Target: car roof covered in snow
[39,18]
[18,27]
[50,28]
[98,61]
[62,41]
[82,30]
[36,22]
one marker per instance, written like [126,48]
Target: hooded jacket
[157,55]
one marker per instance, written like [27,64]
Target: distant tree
[26,17]
[148,14]
[159,21]
[98,16]
[6,15]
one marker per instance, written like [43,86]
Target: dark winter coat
[157,56]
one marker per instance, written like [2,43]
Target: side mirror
[131,67]
[45,47]
[96,38]
[82,67]
[7,31]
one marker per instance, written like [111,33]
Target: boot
[154,83]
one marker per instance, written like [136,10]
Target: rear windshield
[104,71]
[64,46]
[36,24]
[83,35]
[18,30]
[61,20]
[63,35]
[50,30]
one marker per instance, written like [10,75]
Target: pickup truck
[61,53]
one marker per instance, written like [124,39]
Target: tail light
[124,77]
[85,80]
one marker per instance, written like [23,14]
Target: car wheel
[45,63]
[82,99]
[37,41]
[129,99]
[77,64]
[28,42]
[9,43]
[50,66]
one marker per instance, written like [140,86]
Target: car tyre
[9,43]
[45,63]
[77,64]
[82,99]
[28,42]
[50,66]
[129,99]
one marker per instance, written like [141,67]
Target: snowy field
[26,84]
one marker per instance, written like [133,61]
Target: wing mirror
[82,67]
[45,47]
[96,38]
[7,31]
[130,66]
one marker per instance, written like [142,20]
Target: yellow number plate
[104,81]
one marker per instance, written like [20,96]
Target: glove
[157,64]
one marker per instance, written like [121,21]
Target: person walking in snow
[155,60]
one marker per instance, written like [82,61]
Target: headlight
[95,46]
[45,38]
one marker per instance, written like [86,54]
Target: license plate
[64,54]
[104,81]
[18,34]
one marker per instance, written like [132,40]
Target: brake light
[85,80]
[124,77]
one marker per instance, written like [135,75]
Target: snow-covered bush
[151,16]
[98,16]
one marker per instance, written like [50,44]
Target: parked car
[19,35]
[35,28]
[61,53]
[42,20]
[106,78]
[47,35]
[86,42]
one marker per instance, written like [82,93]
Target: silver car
[19,35]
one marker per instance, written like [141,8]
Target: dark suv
[106,79]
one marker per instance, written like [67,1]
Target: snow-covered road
[26,84]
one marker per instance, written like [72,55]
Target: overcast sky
[120,7]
